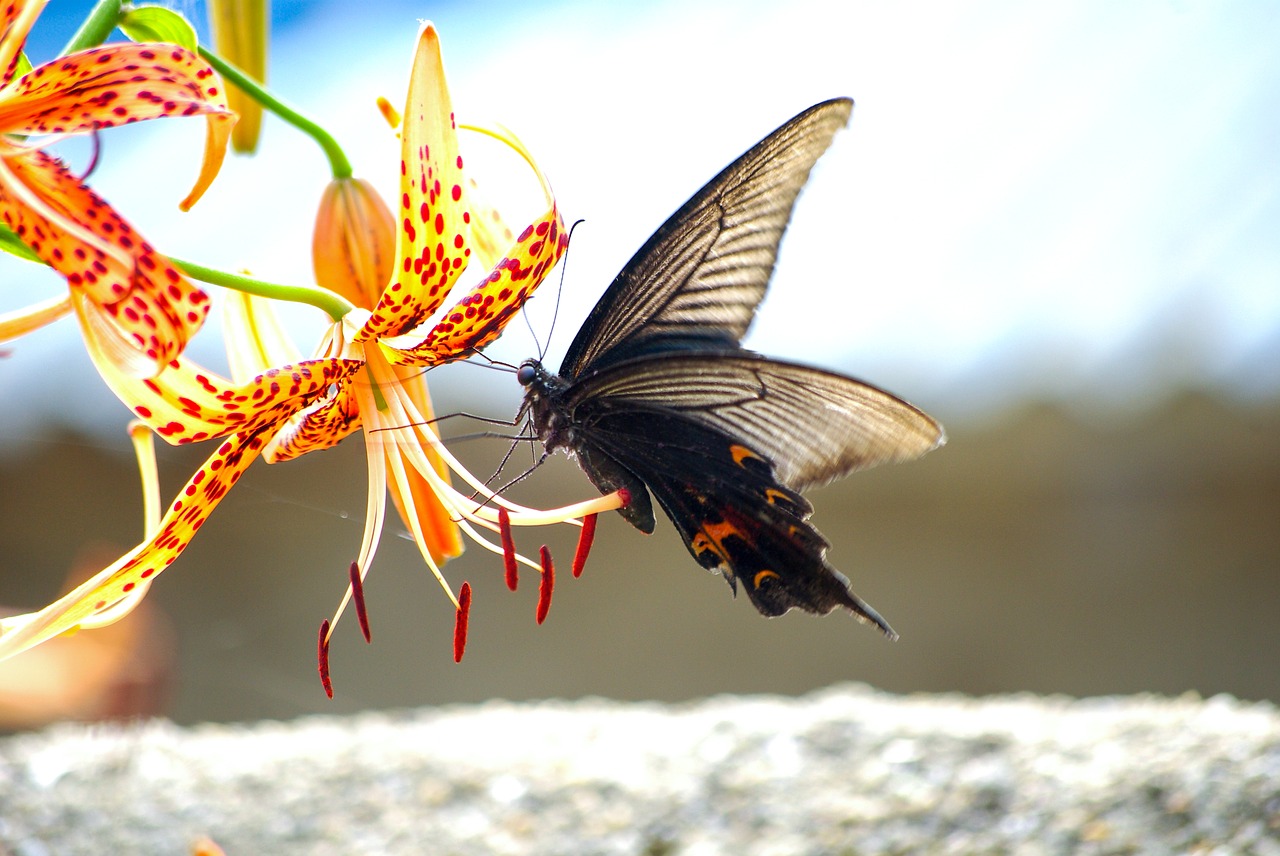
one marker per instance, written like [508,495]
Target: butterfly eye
[525,374]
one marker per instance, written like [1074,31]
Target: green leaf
[24,65]
[158,24]
[11,243]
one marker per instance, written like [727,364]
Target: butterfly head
[529,372]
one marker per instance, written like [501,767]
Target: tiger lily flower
[125,293]
[367,373]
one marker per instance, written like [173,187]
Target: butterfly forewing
[697,282]
[813,425]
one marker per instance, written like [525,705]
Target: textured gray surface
[846,770]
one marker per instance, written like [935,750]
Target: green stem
[321,298]
[95,29]
[338,162]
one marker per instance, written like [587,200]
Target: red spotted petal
[155,309]
[479,318]
[108,86]
[187,514]
[186,403]
[116,85]
[319,427]
[432,238]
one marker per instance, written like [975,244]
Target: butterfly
[657,396]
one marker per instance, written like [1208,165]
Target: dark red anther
[548,583]
[625,496]
[585,538]
[460,619]
[357,595]
[508,549]
[322,655]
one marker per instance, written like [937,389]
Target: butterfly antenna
[490,363]
[555,313]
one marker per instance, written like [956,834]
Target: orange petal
[155,309]
[118,84]
[441,537]
[16,19]
[480,317]
[441,534]
[23,321]
[319,427]
[431,244]
[104,591]
[187,403]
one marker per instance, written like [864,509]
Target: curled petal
[118,84]
[113,591]
[321,426]
[23,321]
[479,318]
[187,403]
[217,131]
[16,19]
[105,591]
[151,309]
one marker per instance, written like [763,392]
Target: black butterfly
[656,395]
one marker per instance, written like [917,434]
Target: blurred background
[1054,229]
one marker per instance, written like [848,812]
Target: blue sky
[1077,202]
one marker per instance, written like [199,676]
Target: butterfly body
[655,395]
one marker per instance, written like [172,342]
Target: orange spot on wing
[761,576]
[742,453]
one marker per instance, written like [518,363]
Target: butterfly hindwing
[732,513]
[697,281]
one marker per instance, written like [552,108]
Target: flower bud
[354,242]
[240,36]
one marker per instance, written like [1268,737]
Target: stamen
[566,514]
[322,651]
[357,594]
[508,549]
[585,538]
[391,114]
[548,583]
[460,619]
